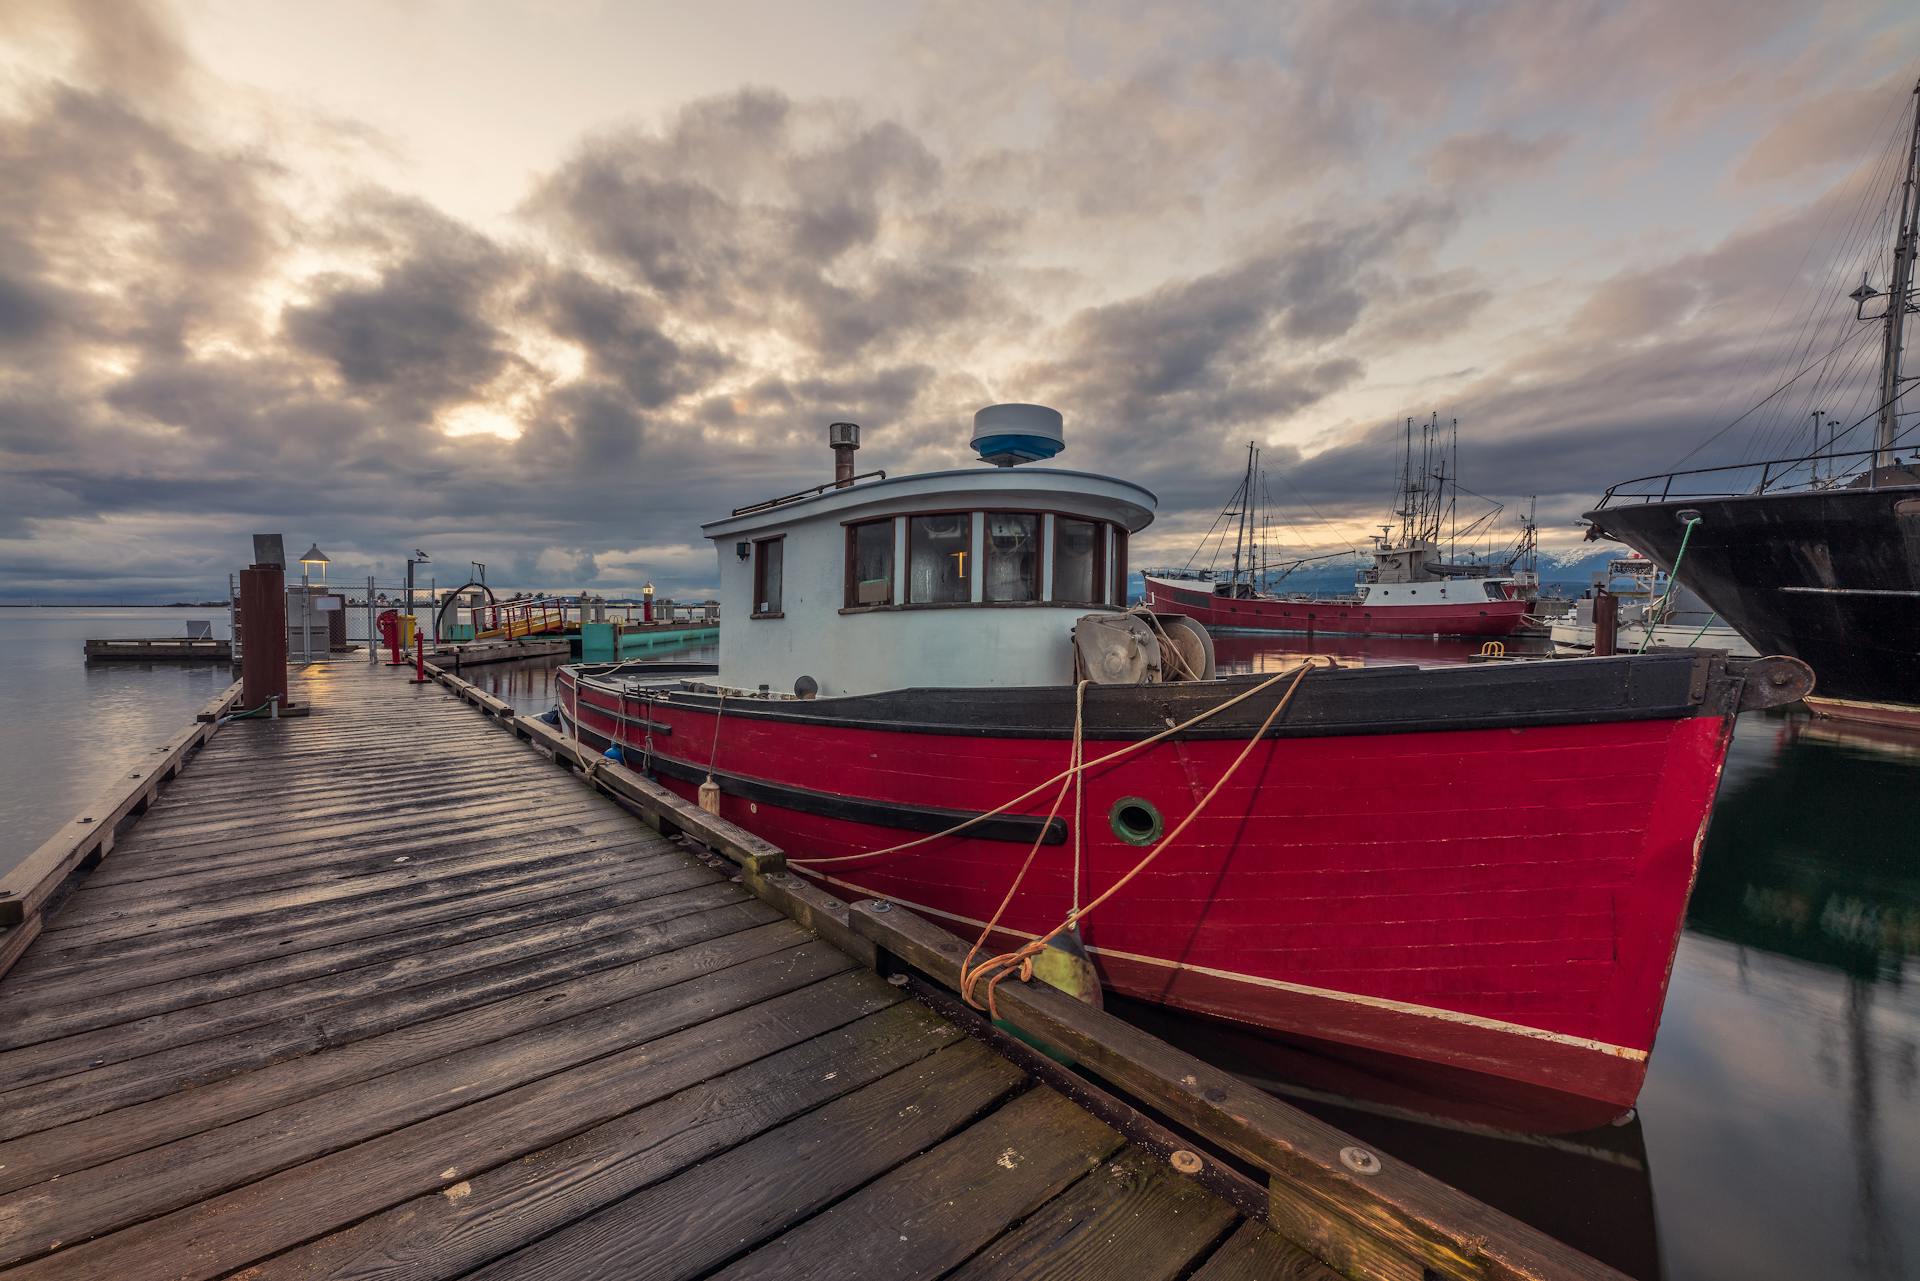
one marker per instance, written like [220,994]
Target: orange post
[419,658]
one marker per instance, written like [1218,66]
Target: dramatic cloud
[249,280]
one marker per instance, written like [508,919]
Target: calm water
[1778,1134]
[69,728]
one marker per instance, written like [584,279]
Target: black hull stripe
[1720,701]
[1018,828]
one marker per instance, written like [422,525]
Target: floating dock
[381,992]
[160,649]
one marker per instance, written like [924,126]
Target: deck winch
[1139,648]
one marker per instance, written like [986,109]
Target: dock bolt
[1184,1161]
[1360,1161]
[881,905]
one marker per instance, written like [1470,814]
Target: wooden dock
[382,993]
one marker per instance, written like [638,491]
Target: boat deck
[379,992]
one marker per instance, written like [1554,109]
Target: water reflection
[1813,852]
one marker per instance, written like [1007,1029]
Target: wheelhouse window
[939,549]
[769,564]
[1119,596]
[1077,557]
[1013,557]
[870,563]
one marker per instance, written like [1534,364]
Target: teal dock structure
[611,642]
[593,643]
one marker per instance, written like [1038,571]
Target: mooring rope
[1659,609]
[710,790]
[995,969]
[1062,776]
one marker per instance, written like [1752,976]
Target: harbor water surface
[1777,1137]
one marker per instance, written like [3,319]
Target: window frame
[1110,561]
[1098,584]
[1039,552]
[851,581]
[973,555]
[759,578]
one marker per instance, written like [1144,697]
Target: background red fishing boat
[1479,608]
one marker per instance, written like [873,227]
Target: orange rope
[1079,704]
[1021,958]
[1128,750]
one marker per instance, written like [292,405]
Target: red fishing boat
[1483,868]
[1472,607]
[1412,588]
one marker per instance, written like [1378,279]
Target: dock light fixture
[743,549]
[315,557]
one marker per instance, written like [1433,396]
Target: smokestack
[845,438]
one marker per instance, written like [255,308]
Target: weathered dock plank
[379,993]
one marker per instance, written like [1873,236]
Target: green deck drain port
[1135,821]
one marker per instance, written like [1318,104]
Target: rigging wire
[1855,337]
[1857,225]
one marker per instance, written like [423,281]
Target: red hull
[1505,901]
[1339,617]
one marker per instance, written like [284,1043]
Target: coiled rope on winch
[995,969]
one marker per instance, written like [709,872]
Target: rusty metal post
[419,657]
[1606,623]
[263,659]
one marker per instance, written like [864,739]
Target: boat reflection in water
[1778,1134]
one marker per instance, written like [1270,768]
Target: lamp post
[314,558]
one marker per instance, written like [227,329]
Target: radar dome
[1007,435]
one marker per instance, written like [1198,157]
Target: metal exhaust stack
[845,438]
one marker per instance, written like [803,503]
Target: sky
[546,285]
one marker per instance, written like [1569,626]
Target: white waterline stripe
[1853,591]
[1351,998]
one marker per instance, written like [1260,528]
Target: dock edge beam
[1392,1221]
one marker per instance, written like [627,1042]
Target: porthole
[1135,821]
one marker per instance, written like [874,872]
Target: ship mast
[1406,511]
[1240,541]
[1898,302]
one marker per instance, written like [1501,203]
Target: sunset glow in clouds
[547,284]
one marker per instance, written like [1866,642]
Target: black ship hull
[1828,576]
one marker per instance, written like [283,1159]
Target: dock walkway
[382,993]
